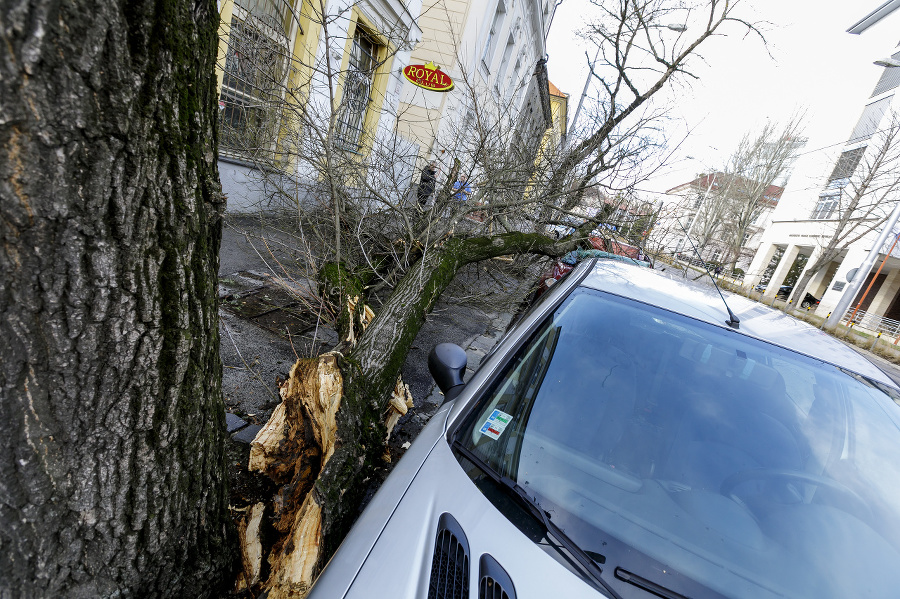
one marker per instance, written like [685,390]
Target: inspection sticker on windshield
[495,424]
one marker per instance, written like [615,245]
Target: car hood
[399,565]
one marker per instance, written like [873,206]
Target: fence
[872,322]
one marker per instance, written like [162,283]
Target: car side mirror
[447,363]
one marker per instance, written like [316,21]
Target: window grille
[251,85]
[357,91]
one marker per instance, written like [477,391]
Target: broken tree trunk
[328,436]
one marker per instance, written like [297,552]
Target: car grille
[450,563]
[493,581]
[489,588]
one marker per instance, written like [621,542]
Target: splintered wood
[310,398]
[401,402]
[364,317]
[251,547]
[291,449]
[293,562]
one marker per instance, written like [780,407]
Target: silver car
[630,437]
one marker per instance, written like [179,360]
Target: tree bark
[112,478]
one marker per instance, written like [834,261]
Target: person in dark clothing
[427,183]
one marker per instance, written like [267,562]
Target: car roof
[667,288]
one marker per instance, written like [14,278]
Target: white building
[694,217]
[809,215]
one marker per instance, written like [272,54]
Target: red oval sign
[428,76]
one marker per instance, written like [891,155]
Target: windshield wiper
[587,563]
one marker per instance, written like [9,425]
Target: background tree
[364,235]
[112,479]
[757,164]
[858,198]
[712,206]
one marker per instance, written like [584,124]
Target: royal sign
[428,76]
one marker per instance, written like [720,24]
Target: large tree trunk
[112,479]
[328,436]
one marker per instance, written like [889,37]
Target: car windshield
[741,466]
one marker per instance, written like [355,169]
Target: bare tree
[712,206]
[350,197]
[858,198]
[756,165]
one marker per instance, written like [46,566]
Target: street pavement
[889,368]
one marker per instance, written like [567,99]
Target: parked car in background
[628,438]
[564,265]
[618,248]
[784,292]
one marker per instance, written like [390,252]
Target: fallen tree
[328,436]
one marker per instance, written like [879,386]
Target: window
[507,59]
[251,84]
[740,465]
[491,43]
[825,207]
[357,90]
[514,79]
[846,164]
[870,119]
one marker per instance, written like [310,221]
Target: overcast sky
[814,65]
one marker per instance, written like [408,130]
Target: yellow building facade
[286,65]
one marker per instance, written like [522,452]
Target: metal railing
[872,322]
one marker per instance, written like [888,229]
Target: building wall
[455,34]
[419,123]
[309,49]
[798,222]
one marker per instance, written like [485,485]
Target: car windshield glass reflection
[747,468]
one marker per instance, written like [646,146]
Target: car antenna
[733,321]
